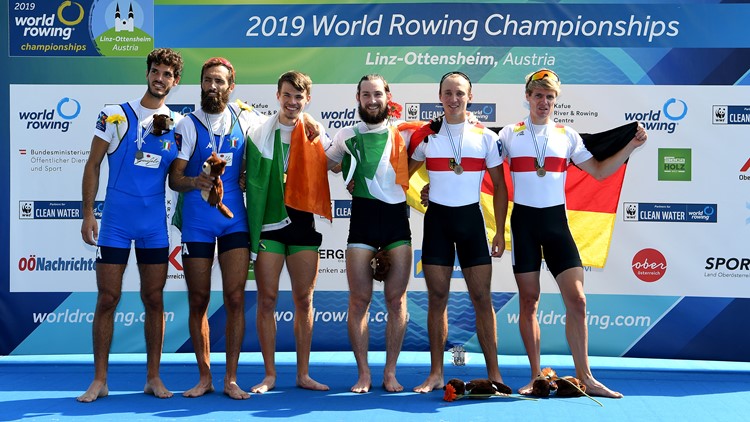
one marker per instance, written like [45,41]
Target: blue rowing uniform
[200,221]
[134,207]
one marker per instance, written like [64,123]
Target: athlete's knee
[107,300]
[267,301]
[576,305]
[437,300]
[153,301]
[198,301]
[528,304]
[396,304]
[234,300]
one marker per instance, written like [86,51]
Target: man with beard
[287,184]
[220,128]
[374,158]
[138,164]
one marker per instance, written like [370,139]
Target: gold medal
[284,177]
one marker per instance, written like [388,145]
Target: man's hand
[424,195]
[640,136]
[203,181]
[312,130]
[243,181]
[498,243]
[90,230]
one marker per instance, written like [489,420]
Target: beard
[368,118]
[156,94]
[214,105]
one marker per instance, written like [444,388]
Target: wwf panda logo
[631,211]
[412,112]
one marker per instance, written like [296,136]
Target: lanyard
[222,135]
[455,163]
[139,139]
[539,164]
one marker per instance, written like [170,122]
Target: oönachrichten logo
[649,265]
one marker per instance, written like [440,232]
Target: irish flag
[269,190]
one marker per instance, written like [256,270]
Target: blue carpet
[44,388]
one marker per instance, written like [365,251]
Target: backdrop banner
[675,277]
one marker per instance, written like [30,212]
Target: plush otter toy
[380,264]
[162,124]
[214,167]
[570,387]
[483,386]
[548,382]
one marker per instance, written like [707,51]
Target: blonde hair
[549,80]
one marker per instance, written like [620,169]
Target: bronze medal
[453,165]
[540,171]
[139,155]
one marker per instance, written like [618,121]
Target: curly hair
[168,57]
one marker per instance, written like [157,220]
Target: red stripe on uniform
[468,163]
[553,164]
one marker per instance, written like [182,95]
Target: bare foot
[156,387]
[200,389]
[310,384]
[526,389]
[268,384]
[363,385]
[596,389]
[96,389]
[391,384]
[234,391]
[433,382]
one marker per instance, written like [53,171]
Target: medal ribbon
[222,136]
[456,152]
[539,157]
[140,132]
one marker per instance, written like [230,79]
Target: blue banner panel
[459,24]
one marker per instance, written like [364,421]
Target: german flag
[591,204]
